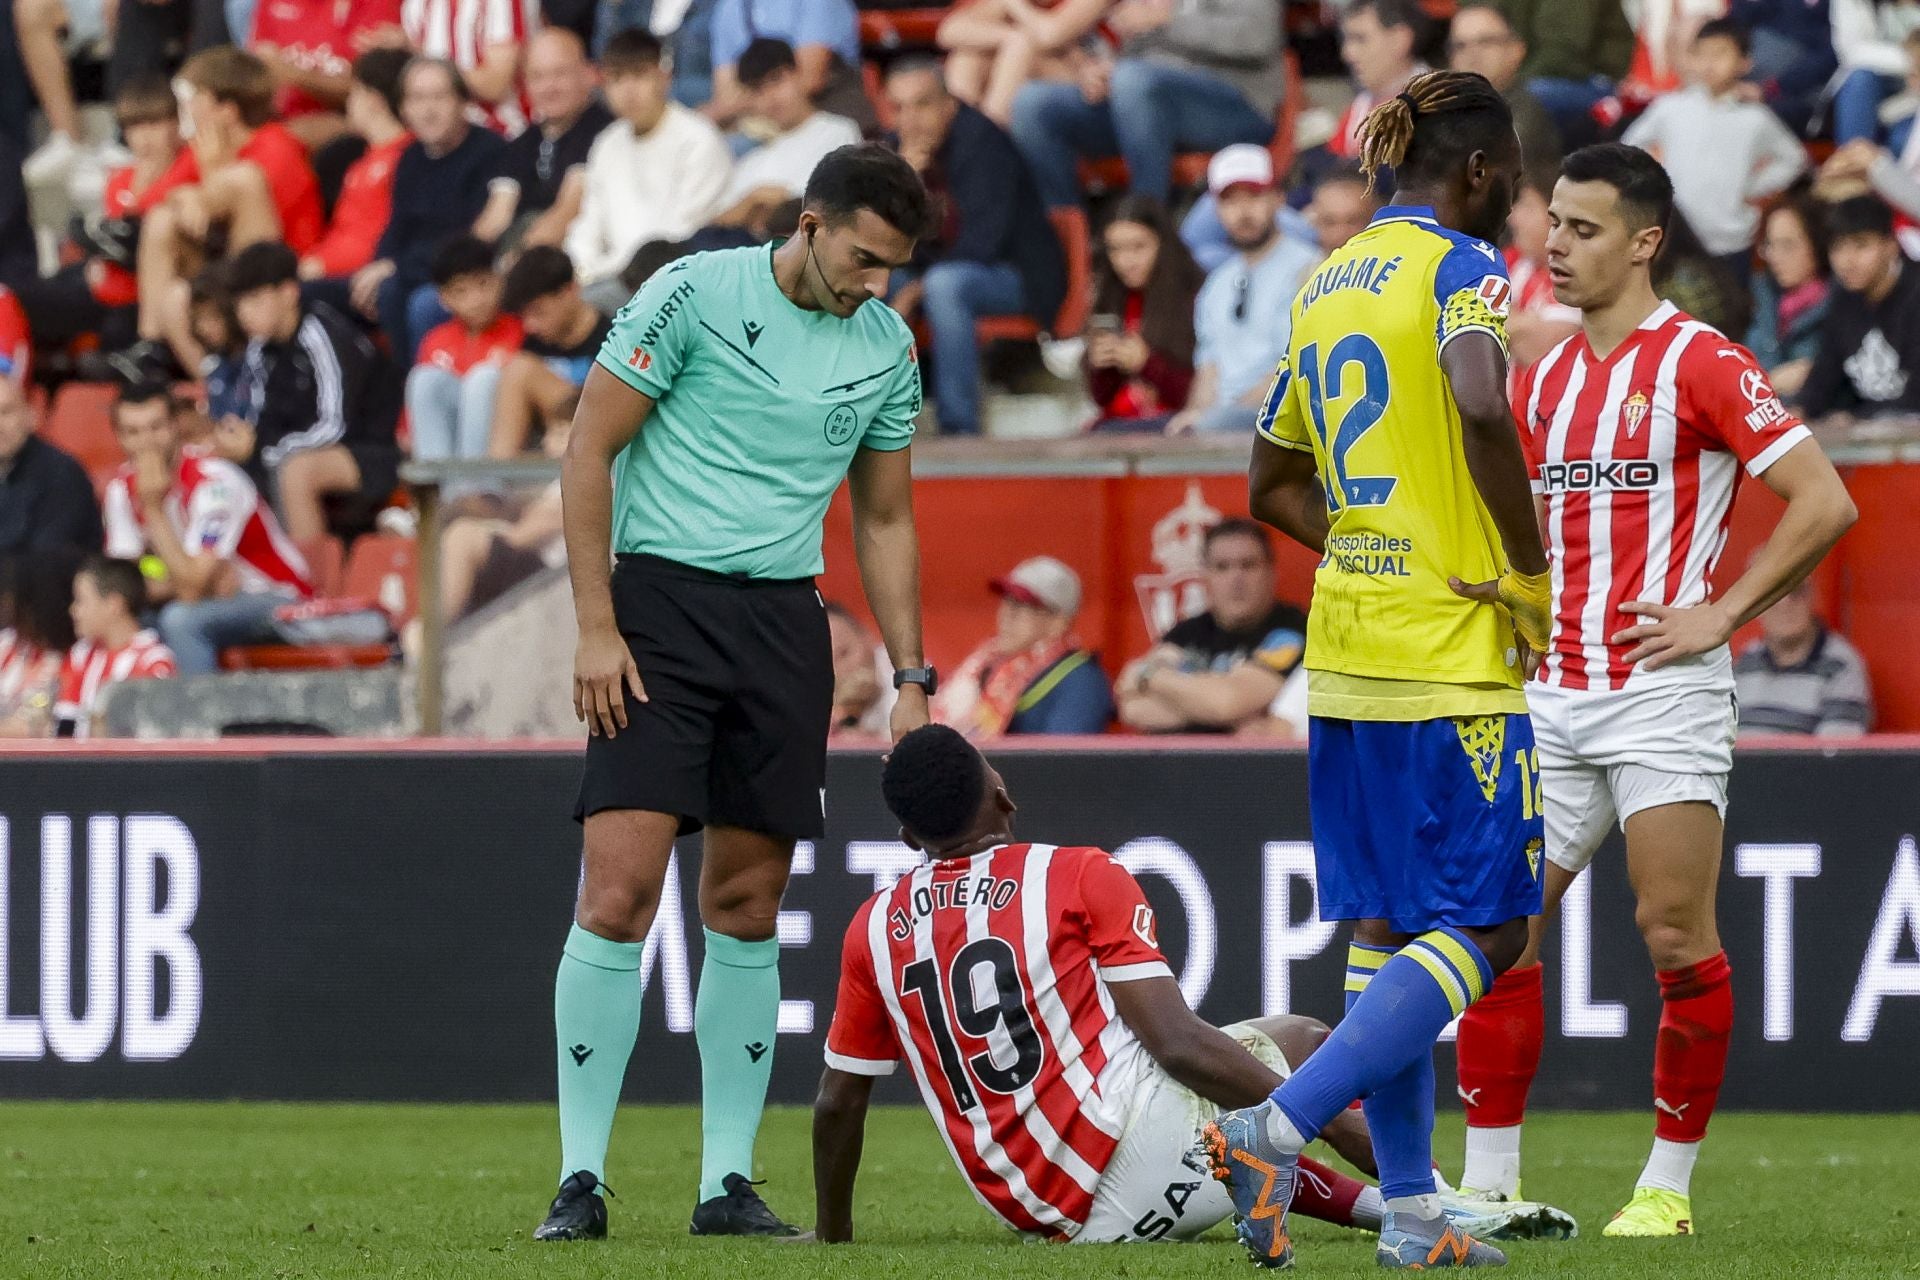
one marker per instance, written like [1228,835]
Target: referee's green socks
[736,1015]
[596,1015]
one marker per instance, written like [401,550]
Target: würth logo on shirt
[641,359]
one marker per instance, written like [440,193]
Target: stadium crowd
[318,239]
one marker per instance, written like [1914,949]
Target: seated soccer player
[1083,1034]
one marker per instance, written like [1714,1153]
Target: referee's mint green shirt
[760,406]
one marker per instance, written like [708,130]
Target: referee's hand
[910,711]
[601,664]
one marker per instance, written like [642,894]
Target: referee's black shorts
[739,678]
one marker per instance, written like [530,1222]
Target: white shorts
[1157,1186]
[1607,755]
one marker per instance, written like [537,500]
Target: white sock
[1441,1184]
[1368,1210]
[1670,1167]
[1493,1160]
[1423,1208]
[1282,1134]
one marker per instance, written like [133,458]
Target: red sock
[1498,1052]
[1690,1056]
[1326,1194]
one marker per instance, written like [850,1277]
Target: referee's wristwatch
[926,677]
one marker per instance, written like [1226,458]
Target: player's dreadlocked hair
[933,781]
[1441,118]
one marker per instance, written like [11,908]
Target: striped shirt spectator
[486,39]
[1801,678]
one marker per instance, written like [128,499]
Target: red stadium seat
[889,30]
[385,567]
[81,422]
[304,657]
[1071,226]
[1109,173]
[325,558]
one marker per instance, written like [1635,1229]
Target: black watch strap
[926,677]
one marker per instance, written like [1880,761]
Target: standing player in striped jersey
[1025,989]
[1637,429]
[1387,445]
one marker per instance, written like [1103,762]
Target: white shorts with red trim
[1606,755]
[1157,1186]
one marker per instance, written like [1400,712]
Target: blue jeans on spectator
[407,310]
[451,414]
[1570,103]
[1151,111]
[196,631]
[1797,73]
[692,48]
[956,294]
[1856,104]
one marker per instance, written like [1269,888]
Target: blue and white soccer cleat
[1259,1179]
[1494,1218]
[1422,1244]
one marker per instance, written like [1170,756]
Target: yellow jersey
[1361,388]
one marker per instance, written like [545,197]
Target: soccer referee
[734,393]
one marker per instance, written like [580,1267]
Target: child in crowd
[1725,151]
[451,390]
[108,598]
[97,295]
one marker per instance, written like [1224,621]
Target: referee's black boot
[740,1212]
[578,1212]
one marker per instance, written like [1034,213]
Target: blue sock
[1392,1023]
[1400,1112]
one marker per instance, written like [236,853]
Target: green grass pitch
[99,1191]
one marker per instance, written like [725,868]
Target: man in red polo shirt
[243,172]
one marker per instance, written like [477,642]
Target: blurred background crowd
[259,256]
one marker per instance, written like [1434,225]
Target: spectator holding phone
[1140,339]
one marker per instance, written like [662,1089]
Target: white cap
[1043,582]
[1241,164]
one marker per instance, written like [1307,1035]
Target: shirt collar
[1405,213]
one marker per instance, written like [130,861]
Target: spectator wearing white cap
[1033,675]
[1243,316]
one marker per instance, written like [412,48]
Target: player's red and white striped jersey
[461,31]
[1637,457]
[215,510]
[988,976]
[91,667]
[25,669]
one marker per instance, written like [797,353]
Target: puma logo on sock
[1469,1096]
[1678,1113]
[756,1051]
[580,1054]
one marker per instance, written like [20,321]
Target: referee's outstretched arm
[888,552]
[609,416]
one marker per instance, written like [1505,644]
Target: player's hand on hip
[1527,598]
[1670,634]
[602,664]
[910,711]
